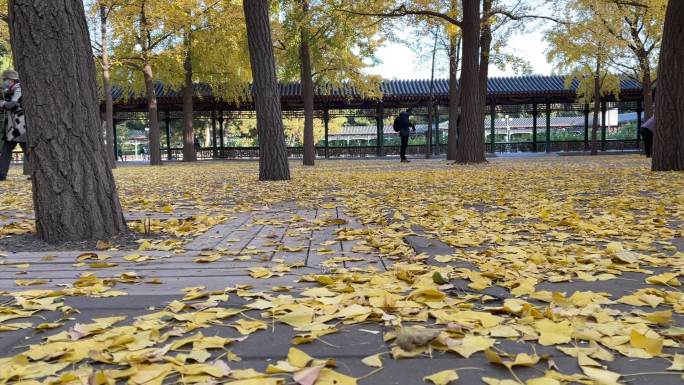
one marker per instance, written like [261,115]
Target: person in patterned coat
[14,132]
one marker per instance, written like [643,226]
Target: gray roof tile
[497,86]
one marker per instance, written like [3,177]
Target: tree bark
[151,95]
[273,163]
[307,89]
[471,146]
[74,193]
[647,86]
[431,105]
[668,141]
[483,75]
[110,152]
[637,46]
[485,48]
[153,116]
[454,96]
[596,108]
[189,154]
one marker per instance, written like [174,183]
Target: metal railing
[207,153]
[413,150]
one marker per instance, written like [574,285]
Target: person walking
[15,125]
[646,132]
[403,125]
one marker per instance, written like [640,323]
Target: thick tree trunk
[485,48]
[639,50]
[431,106]
[668,141]
[307,90]
[647,85]
[454,97]
[273,163]
[596,109]
[471,146]
[153,116]
[110,153]
[74,193]
[189,154]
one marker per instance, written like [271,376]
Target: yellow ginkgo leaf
[248,327]
[243,374]
[470,344]
[677,362]
[496,381]
[614,247]
[300,316]
[281,367]
[30,282]
[442,378]
[601,376]
[373,361]
[652,345]
[298,358]
[665,279]
[542,381]
[258,381]
[553,333]
[331,377]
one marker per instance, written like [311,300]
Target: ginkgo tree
[635,31]
[4,30]
[74,191]
[142,56]
[471,141]
[273,164]
[322,47]
[100,11]
[476,22]
[581,48]
[211,47]
[668,146]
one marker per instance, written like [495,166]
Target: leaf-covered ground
[536,271]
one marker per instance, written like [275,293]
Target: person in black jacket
[15,125]
[403,125]
[646,132]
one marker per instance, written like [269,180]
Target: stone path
[280,236]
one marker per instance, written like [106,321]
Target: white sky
[399,61]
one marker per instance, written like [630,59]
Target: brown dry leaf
[409,338]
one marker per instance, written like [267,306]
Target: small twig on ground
[369,374]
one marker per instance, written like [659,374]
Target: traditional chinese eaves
[395,94]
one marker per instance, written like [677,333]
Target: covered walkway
[543,103]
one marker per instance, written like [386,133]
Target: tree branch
[630,3]
[403,11]
[513,16]
[153,43]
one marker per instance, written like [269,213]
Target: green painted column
[326,122]
[167,122]
[535,115]
[379,120]
[639,122]
[492,129]
[548,127]
[603,125]
[586,127]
